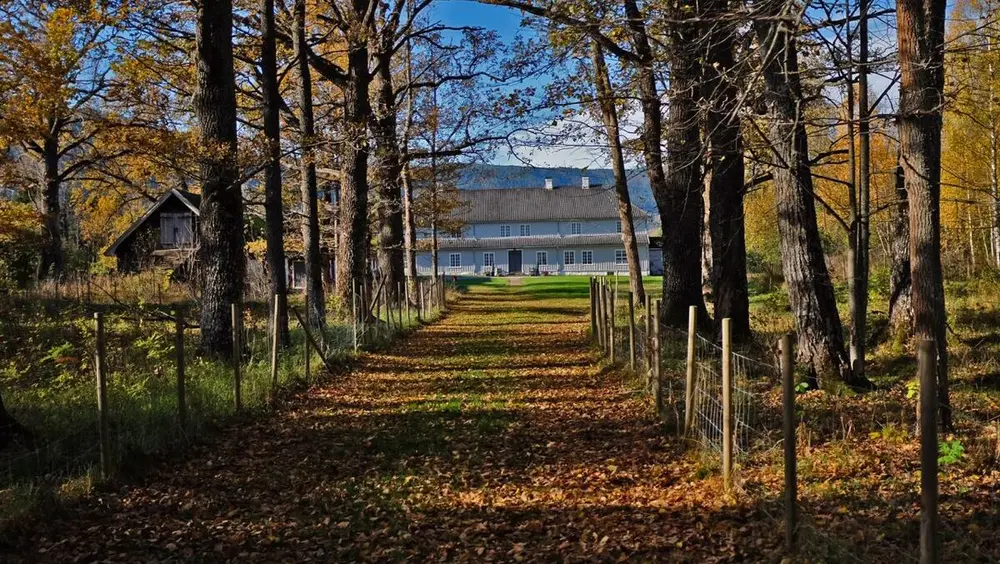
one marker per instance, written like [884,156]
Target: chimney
[548,184]
[585,183]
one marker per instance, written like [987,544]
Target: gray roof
[531,242]
[539,204]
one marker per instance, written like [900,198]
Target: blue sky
[507,23]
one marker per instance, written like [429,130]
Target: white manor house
[551,230]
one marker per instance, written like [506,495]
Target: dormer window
[575,228]
[505,231]
[525,230]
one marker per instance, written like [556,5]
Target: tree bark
[726,184]
[820,334]
[900,297]
[861,226]
[609,114]
[706,234]
[390,173]
[221,253]
[409,220]
[273,208]
[315,298]
[410,234]
[352,252]
[51,264]
[920,29]
[681,202]
[679,197]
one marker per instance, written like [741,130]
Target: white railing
[607,266]
[501,269]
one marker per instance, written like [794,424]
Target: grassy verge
[48,386]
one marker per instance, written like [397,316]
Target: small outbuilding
[166,235]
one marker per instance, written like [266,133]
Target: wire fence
[160,392]
[687,374]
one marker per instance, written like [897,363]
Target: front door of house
[514,261]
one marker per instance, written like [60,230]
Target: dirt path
[492,435]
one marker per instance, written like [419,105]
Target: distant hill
[482,176]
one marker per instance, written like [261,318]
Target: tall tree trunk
[410,234]
[726,184]
[681,203]
[820,336]
[992,108]
[900,297]
[409,221]
[920,29]
[352,252]
[679,198]
[51,264]
[861,234]
[390,173]
[609,114]
[316,300]
[221,254]
[273,208]
[435,249]
[706,233]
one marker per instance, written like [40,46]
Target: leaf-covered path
[491,435]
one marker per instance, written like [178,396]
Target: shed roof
[539,204]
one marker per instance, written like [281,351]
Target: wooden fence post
[657,382]
[727,404]
[406,301]
[691,373]
[390,321]
[237,359]
[179,354]
[306,356]
[101,369]
[611,322]
[649,337]
[354,314]
[788,427]
[926,367]
[378,313]
[601,327]
[274,348]
[401,302]
[421,314]
[631,331]
[593,311]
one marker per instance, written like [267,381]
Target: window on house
[455,260]
[569,257]
[575,228]
[489,260]
[587,257]
[176,230]
[541,258]
[525,230]
[505,231]
[620,257]
[618,226]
